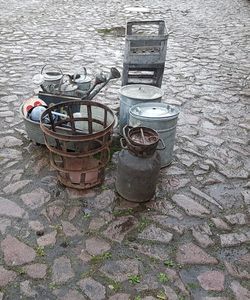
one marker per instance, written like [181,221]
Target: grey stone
[212,280]
[10,209]
[93,289]
[6,276]
[47,239]
[36,226]
[176,280]
[36,198]
[239,291]
[69,229]
[36,271]
[62,270]
[26,289]
[220,224]
[96,246]
[238,218]
[170,293]
[15,252]
[4,224]
[73,295]
[236,271]
[233,239]
[10,141]
[118,229]
[167,223]
[154,251]
[96,223]
[191,207]
[246,196]
[154,233]
[73,212]
[15,187]
[120,296]
[191,254]
[205,196]
[201,233]
[104,200]
[120,270]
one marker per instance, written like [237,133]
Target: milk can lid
[154,110]
[141,91]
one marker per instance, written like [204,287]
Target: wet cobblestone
[58,243]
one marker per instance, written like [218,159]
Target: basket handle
[160,23]
[122,140]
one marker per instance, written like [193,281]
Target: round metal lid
[49,76]
[154,110]
[141,91]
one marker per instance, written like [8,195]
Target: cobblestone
[61,236]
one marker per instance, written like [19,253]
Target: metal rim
[160,91]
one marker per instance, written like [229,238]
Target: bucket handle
[51,66]
[84,73]
[163,145]
[125,131]
[122,140]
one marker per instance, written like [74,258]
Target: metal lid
[141,91]
[49,76]
[154,110]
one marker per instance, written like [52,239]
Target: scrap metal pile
[78,131]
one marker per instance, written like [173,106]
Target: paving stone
[191,254]
[96,223]
[246,196]
[120,270]
[233,239]
[244,259]
[36,271]
[220,224]
[10,209]
[205,196]
[118,229]
[62,270]
[47,239]
[96,246]
[73,212]
[155,251]
[104,200]
[13,188]
[165,207]
[16,253]
[93,289]
[170,293]
[4,224]
[202,235]
[36,226]
[149,298]
[10,141]
[236,271]
[214,298]
[6,276]
[120,296]
[212,280]
[26,289]
[191,207]
[1,295]
[79,194]
[36,198]
[168,223]
[238,218]
[176,280]
[73,295]
[153,233]
[239,291]
[69,229]
[54,211]
[148,283]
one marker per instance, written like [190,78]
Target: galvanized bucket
[161,117]
[133,94]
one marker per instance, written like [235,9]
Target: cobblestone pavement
[192,241]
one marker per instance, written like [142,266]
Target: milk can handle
[122,140]
[85,74]
[55,67]
[125,131]
[163,145]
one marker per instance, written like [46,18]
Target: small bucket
[161,117]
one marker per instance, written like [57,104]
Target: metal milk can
[161,117]
[138,164]
[134,94]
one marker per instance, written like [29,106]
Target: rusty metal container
[138,164]
[79,142]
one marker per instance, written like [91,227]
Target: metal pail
[133,94]
[161,117]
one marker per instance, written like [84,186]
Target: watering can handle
[163,145]
[122,140]
[48,65]
[85,74]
